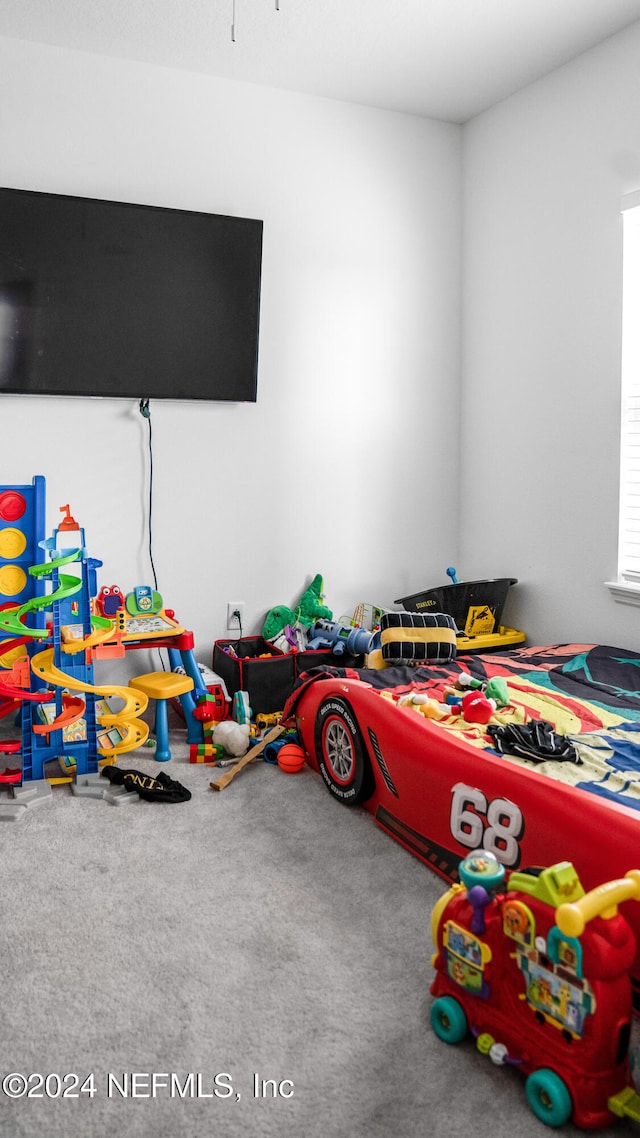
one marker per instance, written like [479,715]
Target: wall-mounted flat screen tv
[102,298]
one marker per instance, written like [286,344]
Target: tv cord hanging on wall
[145,411]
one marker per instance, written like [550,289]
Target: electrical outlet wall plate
[235,616]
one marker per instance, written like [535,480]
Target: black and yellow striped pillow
[417,638]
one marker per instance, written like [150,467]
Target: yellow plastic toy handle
[602,901]
[439,908]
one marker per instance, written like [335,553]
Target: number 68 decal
[495,826]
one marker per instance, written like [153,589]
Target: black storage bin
[476,606]
[324,658]
[315,658]
[268,681]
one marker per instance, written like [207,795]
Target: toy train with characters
[537,970]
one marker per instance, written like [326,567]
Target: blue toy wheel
[448,1020]
[548,1097]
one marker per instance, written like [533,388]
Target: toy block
[205,752]
[207,713]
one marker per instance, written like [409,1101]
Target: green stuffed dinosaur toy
[308,609]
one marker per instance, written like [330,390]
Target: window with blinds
[629,530]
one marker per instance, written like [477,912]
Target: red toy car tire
[340,752]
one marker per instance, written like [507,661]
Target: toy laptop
[476,607]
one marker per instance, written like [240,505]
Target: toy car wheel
[548,1097]
[448,1020]
[342,760]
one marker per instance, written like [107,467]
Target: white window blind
[629,529]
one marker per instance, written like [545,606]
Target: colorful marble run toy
[49,669]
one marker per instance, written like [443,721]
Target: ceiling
[445,59]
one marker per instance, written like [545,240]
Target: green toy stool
[162,686]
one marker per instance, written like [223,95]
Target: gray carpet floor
[264,938]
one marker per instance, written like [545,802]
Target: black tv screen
[130,301]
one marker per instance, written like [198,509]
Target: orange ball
[291,758]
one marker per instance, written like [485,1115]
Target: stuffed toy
[431,708]
[495,688]
[308,609]
[276,621]
[234,737]
[476,708]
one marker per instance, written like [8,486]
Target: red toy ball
[291,758]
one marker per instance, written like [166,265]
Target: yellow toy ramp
[133,730]
[135,703]
[42,664]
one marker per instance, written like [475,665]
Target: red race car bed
[553,775]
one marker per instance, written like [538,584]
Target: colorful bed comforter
[588,693]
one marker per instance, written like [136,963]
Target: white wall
[544,173]
[348,463]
